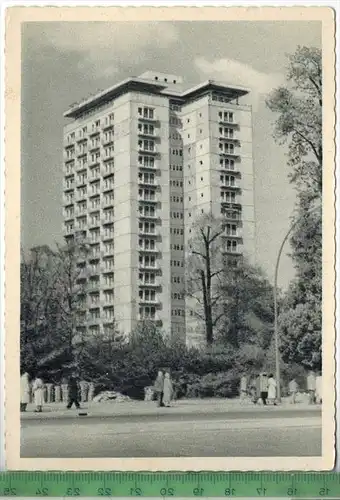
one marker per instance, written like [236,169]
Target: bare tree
[204,267]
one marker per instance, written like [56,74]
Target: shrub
[222,384]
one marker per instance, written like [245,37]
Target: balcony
[109,252]
[226,119]
[147,232]
[235,153]
[232,235]
[146,117]
[94,161]
[152,152]
[107,125]
[107,219]
[107,169]
[81,152]
[69,187]
[94,145]
[229,187]
[107,187]
[67,156]
[152,251]
[94,131]
[150,302]
[68,216]
[81,181]
[109,155]
[107,236]
[147,266]
[147,216]
[94,222]
[233,139]
[147,133]
[81,195]
[230,169]
[80,166]
[106,141]
[148,284]
[147,199]
[106,203]
[232,216]
[69,141]
[144,181]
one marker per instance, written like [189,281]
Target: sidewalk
[141,408]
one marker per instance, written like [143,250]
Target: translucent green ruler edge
[171,484]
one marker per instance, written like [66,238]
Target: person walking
[159,388]
[73,392]
[167,390]
[24,391]
[311,387]
[253,392]
[38,391]
[264,388]
[243,388]
[292,389]
[272,389]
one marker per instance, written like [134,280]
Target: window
[147,113]
[146,145]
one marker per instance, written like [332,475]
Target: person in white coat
[167,390]
[272,390]
[38,391]
[24,391]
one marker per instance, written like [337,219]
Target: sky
[65,62]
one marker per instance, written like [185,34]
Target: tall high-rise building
[142,160]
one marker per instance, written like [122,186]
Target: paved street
[179,431]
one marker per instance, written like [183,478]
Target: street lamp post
[276,332]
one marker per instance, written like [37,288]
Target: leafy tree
[247,305]
[39,313]
[299,109]
[72,293]
[299,123]
[204,267]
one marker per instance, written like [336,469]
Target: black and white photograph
[171,284]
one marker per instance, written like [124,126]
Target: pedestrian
[24,391]
[272,389]
[243,388]
[263,388]
[159,388]
[167,390]
[311,387]
[293,388]
[253,392]
[318,388]
[73,392]
[38,391]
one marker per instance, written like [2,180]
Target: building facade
[142,160]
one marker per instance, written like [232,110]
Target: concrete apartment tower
[142,159]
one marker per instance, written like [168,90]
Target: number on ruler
[167,492]
[42,492]
[104,492]
[198,492]
[292,492]
[229,492]
[324,492]
[9,492]
[136,492]
[261,492]
[73,492]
